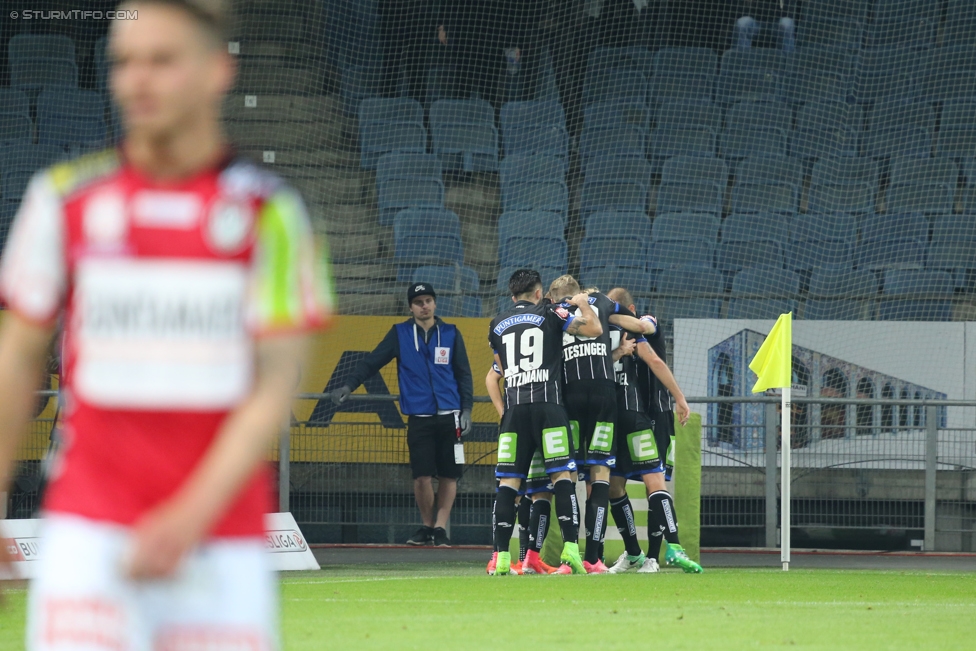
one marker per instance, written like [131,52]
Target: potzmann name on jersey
[584,349]
[515,378]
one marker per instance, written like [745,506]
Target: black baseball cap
[420,289]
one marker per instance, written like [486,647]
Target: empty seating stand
[464,135]
[534,127]
[390,125]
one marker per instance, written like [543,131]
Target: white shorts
[224,597]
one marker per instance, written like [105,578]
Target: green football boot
[571,557]
[504,563]
[676,556]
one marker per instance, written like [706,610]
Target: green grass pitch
[458,607]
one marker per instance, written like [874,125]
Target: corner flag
[773,362]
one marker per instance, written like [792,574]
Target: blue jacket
[429,382]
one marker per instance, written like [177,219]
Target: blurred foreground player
[188,278]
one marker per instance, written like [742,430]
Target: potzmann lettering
[527,377]
[587,349]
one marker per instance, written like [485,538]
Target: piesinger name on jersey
[587,349]
[527,377]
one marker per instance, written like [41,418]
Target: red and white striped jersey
[166,288]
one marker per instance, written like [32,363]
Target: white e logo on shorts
[642,446]
[555,442]
[506,447]
[442,355]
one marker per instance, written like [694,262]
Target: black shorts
[639,453]
[528,428]
[592,409]
[431,440]
[663,423]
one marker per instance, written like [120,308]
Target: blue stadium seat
[960,24]
[856,10]
[532,167]
[398,166]
[690,196]
[750,114]
[906,9]
[820,74]
[357,83]
[634,279]
[536,195]
[748,84]
[379,138]
[618,224]
[750,240]
[883,226]
[461,111]
[845,170]
[424,237]
[467,147]
[937,285]
[670,254]
[912,33]
[679,285]
[599,252]
[824,226]
[686,226]
[519,115]
[740,143]
[958,112]
[534,251]
[757,58]
[27,47]
[457,289]
[14,102]
[628,142]
[102,65]
[933,171]
[828,128]
[752,227]
[780,285]
[682,86]
[19,162]
[913,142]
[616,84]
[63,131]
[841,295]
[770,169]
[43,72]
[15,128]
[804,255]
[522,223]
[947,72]
[956,257]
[701,60]
[614,168]
[399,194]
[675,141]
[852,198]
[756,196]
[956,142]
[613,195]
[902,113]
[464,306]
[890,253]
[619,113]
[953,228]
[70,103]
[930,199]
[632,57]
[689,113]
[391,110]
[548,275]
[886,73]
[829,32]
[689,169]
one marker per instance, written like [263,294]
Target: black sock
[661,522]
[494,505]
[589,519]
[539,527]
[524,510]
[504,517]
[623,515]
[599,501]
[567,510]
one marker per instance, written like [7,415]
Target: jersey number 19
[530,347]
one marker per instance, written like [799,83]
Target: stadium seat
[958,113]
[63,131]
[613,195]
[633,58]
[399,194]
[531,167]
[770,169]
[819,74]
[614,168]
[748,84]
[457,289]
[929,199]
[780,285]
[824,226]
[915,33]
[840,295]
[28,47]
[70,103]
[750,240]
[756,58]
[856,10]
[743,142]
[532,113]
[700,60]
[627,142]
[693,141]
[886,73]
[467,147]
[618,113]
[42,73]
[883,226]
[829,32]
[953,228]
[822,240]
[906,9]
[689,169]
[947,72]
[391,110]
[415,222]
[690,196]
[548,275]
[889,253]
[618,224]
[637,280]
[669,254]
[689,113]
[536,195]
[534,127]
[845,170]
[852,198]
[929,171]
[937,285]
[538,222]
[756,226]
[424,237]
[960,24]
[682,86]
[14,102]
[102,65]
[912,142]
[827,129]
[534,251]
[757,196]
[379,138]
[616,84]
[956,257]
[461,111]
[676,289]
[600,252]
[15,128]
[956,142]
[686,226]
[902,113]
[399,166]
[752,114]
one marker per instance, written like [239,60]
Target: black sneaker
[440,538]
[423,536]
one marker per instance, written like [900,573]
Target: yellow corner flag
[773,363]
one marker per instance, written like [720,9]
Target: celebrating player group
[581,373]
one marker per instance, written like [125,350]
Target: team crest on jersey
[562,312]
[229,226]
[104,221]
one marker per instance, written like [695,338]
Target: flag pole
[785,480]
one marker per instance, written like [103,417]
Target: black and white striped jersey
[625,372]
[589,358]
[655,395]
[528,341]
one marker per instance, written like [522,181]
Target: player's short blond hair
[213,16]
[563,286]
[621,295]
